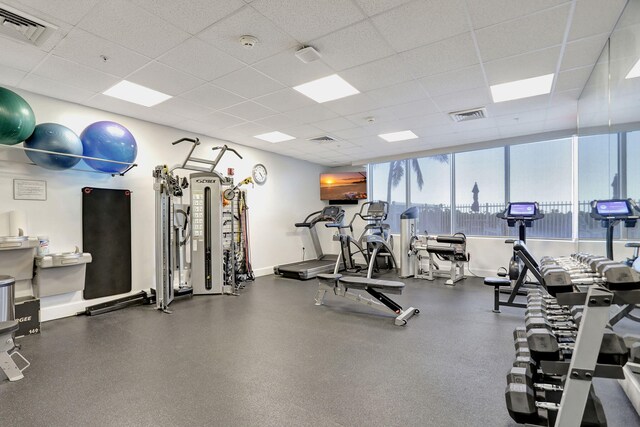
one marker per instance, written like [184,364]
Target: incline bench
[340,285]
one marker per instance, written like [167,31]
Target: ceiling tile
[304,132]
[220,120]
[352,104]
[311,114]
[412,109]
[464,100]
[306,20]
[370,117]
[70,11]
[248,129]
[61,70]
[354,45]
[524,66]
[488,12]
[87,49]
[115,19]
[422,22]
[285,100]
[194,126]
[380,73]
[165,79]
[331,125]
[573,79]
[374,7]
[248,82]
[183,108]
[537,31]
[454,81]
[212,97]
[518,105]
[434,119]
[290,71]
[398,94]
[118,106]
[278,121]
[446,55]
[584,52]
[19,55]
[10,76]
[593,17]
[226,33]
[249,111]
[352,134]
[55,89]
[200,59]
[193,16]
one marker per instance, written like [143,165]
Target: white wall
[291,191]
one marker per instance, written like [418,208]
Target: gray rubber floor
[271,358]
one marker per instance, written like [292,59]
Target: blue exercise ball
[53,137]
[111,141]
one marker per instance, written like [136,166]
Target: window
[598,179]
[389,184]
[430,191]
[541,172]
[480,192]
[633,176]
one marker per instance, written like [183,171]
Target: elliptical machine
[375,243]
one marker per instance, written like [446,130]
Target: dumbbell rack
[583,365]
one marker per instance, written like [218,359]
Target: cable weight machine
[208,227]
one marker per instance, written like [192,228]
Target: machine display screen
[613,208]
[522,209]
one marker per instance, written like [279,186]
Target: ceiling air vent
[323,139]
[463,116]
[23,27]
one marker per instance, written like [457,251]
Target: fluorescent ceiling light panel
[398,136]
[137,94]
[522,88]
[275,137]
[635,71]
[327,89]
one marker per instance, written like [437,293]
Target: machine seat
[497,281]
[632,245]
[8,327]
[387,286]
[441,250]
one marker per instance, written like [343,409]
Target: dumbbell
[520,343]
[523,406]
[520,396]
[544,345]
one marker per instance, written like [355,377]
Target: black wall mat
[106,235]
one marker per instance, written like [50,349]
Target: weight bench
[340,285]
[7,349]
[497,283]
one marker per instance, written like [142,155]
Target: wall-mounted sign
[29,189]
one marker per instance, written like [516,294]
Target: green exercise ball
[17,120]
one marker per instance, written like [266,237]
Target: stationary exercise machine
[610,213]
[323,263]
[421,253]
[375,243]
[206,227]
[522,215]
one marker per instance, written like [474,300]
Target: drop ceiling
[412,61]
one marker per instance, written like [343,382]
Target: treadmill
[304,270]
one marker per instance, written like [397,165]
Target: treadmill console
[376,210]
[331,213]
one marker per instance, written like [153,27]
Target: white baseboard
[265,271]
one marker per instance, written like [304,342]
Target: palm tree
[396,172]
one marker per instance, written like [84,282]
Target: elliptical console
[611,212]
